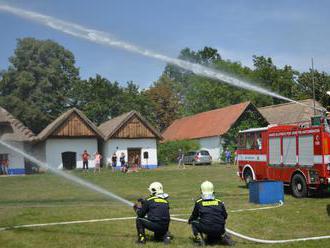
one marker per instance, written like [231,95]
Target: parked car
[197,157]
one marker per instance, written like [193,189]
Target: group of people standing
[4,167]
[111,162]
[228,157]
[97,161]
[124,167]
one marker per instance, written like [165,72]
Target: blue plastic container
[266,192]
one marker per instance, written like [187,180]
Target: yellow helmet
[156,188]
[207,188]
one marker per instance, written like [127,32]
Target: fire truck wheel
[248,177]
[298,186]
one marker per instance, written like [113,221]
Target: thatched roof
[291,113]
[62,118]
[12,129]
[110,127]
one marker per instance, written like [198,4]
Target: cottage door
[132,153]
[69,160]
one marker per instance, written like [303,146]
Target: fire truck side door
[274,161]
[289,146]
[306,150]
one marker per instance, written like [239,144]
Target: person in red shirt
[85,158]
[5,167]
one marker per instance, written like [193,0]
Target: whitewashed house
[209,127]
[64,140]
[14,133]
[131,134]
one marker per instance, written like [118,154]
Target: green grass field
[47,198]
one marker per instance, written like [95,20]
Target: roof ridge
[114,118]
[213,110]
[51,127]
[288,103]
[122,119]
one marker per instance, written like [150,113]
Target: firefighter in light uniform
[156,208]
[209,218]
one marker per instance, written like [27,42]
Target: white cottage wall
[15,160]
[55,148]
[121,145]
[213,145]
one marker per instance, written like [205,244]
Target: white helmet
[156,188]
[207,188]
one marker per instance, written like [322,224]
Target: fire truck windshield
[250,140]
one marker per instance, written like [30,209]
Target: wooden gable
[134,129]
[74,126]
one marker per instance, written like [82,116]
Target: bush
[168,152]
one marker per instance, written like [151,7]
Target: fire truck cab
[295,154]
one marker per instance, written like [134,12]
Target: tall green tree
[98,98]
[321,86]
[101,99]
[166,104]
[198,94]
[269,76]
[135,98]
[35,87]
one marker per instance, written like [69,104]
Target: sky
[290,32]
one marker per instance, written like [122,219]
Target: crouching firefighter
[208,218]
[156,208]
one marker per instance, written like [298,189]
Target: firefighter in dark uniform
[208,218]
[156,208]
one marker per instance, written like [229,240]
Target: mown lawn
[47,198]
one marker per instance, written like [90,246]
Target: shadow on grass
[312,194]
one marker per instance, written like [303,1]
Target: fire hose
[173,218]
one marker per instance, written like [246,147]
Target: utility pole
[313,86]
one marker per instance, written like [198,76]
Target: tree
[134,98]
[165,102]
[251,118]
[98,98]
[281,81]
[322,85]
[168,152]
[198,94]
[207,56]
[36,85]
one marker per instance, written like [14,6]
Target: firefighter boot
[141,239]
[199,240]
[227,240]
[167,238]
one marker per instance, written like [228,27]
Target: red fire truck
[297,155]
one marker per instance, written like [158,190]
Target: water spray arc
[67,176]
[104,38]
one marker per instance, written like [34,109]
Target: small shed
[132,135]
[64,140]
[14,133]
